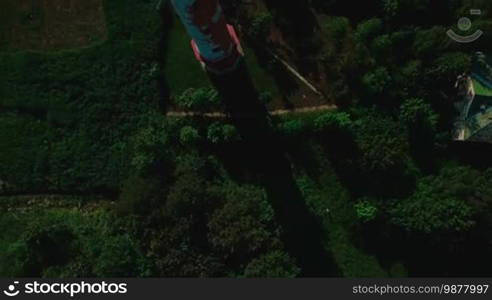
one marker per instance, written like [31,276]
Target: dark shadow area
[341,149]
[357,9]
[263,155]
[426,13]
[421,139]
[304,156]
[475,154]
[47,247]
[295,18]
[300,30]
[39,113]
[285,81]
[166,13]
[450,254]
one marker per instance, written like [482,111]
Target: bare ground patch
[52,24]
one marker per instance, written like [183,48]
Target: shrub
[382,46]
[439,203]
[416,110]
[266,97]
[198,99]
[338,27]
[366,211]
[332,120]
[189,135]
[70,243]
[368,30]
[377,81]
[276,264]
[382,143]
[391,8]
[244,224]
[137,195]
[292,128]
[222,133]
[260,25]
[229,133]
[448,66]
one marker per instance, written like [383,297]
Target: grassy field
[181,68]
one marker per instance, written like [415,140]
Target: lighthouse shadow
[167,22]
[264,156]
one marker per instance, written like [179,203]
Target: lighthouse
[214,42]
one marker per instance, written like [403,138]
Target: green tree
[429,43]
[332,120]
[149,147]
[440,203]
[292,128]
[260,25]
[391,8]
[381,47]
[266,97]
[230,133]
[409,79]
[338,29]
[366,211]
[222,133]
[71,243]
[421,122]
[198,99]
[415,111]
[382,143]
[377,82]
[368,30]
[449,65]
[177,235]
[188,195]
[244,223]
[188,135]
[276,264]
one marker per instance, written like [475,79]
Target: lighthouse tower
[214,42]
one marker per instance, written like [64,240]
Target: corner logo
[11,290]
[465,24]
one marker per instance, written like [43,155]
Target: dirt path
[220,115]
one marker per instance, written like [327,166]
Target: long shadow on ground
[162,85]
[302,235]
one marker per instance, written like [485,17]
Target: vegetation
[373,189]
[482,90]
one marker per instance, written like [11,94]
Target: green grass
[481,89]
[181,68]
[261,78]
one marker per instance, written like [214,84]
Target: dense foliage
[369,187]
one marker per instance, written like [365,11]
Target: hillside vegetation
[373,189]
